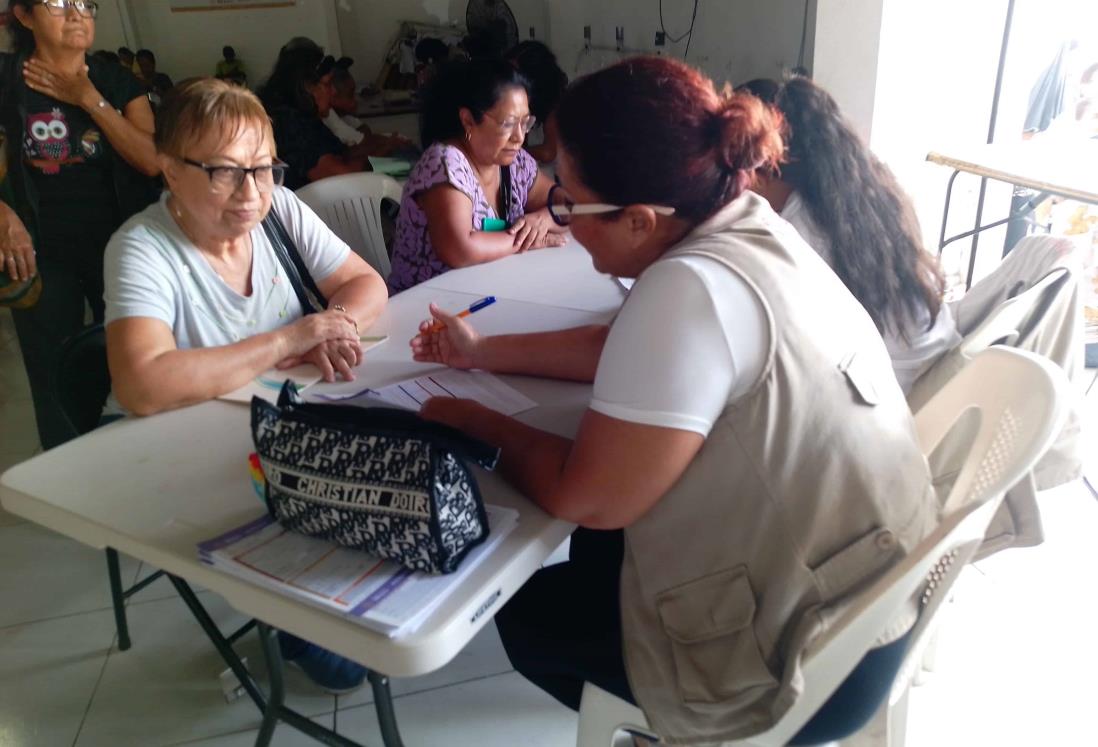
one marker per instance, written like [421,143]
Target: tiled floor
[1015,666]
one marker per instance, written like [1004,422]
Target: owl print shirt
[71,163]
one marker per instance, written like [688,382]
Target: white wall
[845,56]
[733,41]
[189,44]
[367,27]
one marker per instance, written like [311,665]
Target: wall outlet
[661,38]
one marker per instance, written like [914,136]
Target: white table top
[154,487]
[1068,168]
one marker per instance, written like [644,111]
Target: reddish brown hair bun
[654,130]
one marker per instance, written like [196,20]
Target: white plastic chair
[1020,402]
[350,205]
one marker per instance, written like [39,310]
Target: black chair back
[81,380]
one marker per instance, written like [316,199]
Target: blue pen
[475,307]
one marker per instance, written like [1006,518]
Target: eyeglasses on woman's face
[228,179]
[508,125]
[86,8]
[562,207]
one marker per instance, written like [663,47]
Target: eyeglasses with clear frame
[507,126]
[228,179]
[86,8]
[562,207]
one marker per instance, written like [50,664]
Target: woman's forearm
[477,247]
[569,354]
[133,143]
[178,378]
[363,297]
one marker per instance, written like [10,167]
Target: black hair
[125,51]
[146,54]
[762,88]
[875,243]
[547,81]
[22,38]
[295,70]
[228,52]
[106,56]
[476,85]
[341,75]
[431,50]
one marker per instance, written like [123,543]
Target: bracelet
[341,307]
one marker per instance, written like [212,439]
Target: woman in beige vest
[745,429]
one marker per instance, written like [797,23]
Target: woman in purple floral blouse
[475,195]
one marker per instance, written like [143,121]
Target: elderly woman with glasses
[198,303]
[475,195]
[79,152]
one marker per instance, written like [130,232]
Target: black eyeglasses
[228,179]
[86,8]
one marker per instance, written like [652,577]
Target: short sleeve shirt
[414,258]
[153,270]
[71,161]
[691,338]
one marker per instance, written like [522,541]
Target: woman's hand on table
[331,357]
[16,249]
[304,335]
[535,231]
[71,88]
[455,345]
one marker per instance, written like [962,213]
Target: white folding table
[154,487]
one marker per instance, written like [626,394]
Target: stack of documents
[378,594]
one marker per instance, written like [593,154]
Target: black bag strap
[505,191]
[308,294]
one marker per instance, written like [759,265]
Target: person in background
[475,195]
[231,68]
[106,56]
[352,131]
[157,84]
[80,154]
[538,64]
[849,208]
[298,97]
[127,59]
[720,533]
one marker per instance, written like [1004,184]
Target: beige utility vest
[807,488]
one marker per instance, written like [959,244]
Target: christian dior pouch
[381,480]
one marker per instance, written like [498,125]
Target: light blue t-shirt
[153,270]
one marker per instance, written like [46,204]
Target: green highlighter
[494,224]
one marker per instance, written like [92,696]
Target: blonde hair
[198,106]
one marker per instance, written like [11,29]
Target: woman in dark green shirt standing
[80,159]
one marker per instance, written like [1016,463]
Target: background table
[154,487]
[1063,167]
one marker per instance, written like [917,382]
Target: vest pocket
[709,622]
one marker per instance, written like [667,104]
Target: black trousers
[563,628]
[69,279]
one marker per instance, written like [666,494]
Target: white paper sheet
[412,393]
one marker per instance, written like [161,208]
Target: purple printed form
[382,592]
[235,535]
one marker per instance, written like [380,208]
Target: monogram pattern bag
[380,480]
